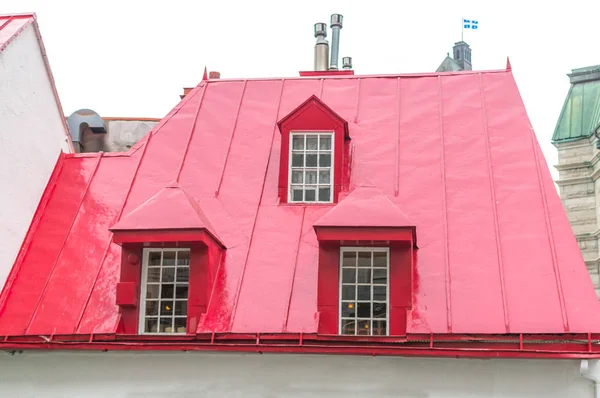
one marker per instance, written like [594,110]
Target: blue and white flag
[470,24]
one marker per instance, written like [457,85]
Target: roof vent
[321,47]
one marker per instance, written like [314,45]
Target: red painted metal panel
[475,257]
[127,293]
[526,248]
[49,238]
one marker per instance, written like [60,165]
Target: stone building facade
[575,138]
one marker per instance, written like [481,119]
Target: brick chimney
[214,75]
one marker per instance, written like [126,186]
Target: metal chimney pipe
[347,63]
[336,25]
[322,47]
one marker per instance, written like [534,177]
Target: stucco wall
[197,374]
[31,137]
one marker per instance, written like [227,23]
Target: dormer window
[164,301]
[314,154]
[311,167]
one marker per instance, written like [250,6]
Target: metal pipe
[590,369]
[321,47]
[336,25]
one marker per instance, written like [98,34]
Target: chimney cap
[337,20]
[320,29]
[347,62]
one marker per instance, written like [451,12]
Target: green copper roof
[580,115]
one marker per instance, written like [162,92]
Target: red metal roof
[454,151]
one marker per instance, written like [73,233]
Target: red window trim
[399,285]
[204,261]
[314,115]
[401,242]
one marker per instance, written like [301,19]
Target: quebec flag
[470,24]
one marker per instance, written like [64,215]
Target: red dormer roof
[455,152]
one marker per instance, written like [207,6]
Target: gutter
[590,369]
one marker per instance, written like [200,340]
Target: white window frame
[144,283]
[332,173]
[387,298]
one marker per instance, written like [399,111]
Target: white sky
[132,58]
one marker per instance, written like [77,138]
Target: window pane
[181,308]
[311,177]
[297,160]
[166,325]
[363,328]
[379,328]
[324,142]
[151,325]
[364,275]
[168,258]
[364,310]
[379,310]
[364,259]
[310,195]
[167,291]
[311,160]
[324,176]
[379,293]
[166,308]
[379,259]
[324,194]
[297,195]
[183,274]
[364,292]
[168,274]
[153,274]
[297,176]
[348,309]
[183,257]
[181,291]
[298,142]
[380,276]
[348,326]
[152,291]
[349,259]
[348,292]
[311,142]
[180,325]
[151,307]
[154,258]
[349,275]
[325,160]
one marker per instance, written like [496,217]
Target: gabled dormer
[314,154]
[169,251]
[366,261]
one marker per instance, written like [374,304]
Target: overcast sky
[132,58]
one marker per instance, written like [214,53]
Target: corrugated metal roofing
[455,152]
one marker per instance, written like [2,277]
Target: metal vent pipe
[336,25]
[321,47]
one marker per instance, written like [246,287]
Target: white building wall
[31,136]
[221,375]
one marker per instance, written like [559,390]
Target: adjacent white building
[32,130]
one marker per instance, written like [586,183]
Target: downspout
[590,369]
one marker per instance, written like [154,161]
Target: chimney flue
[336,25]
[321,47]
[347,63]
